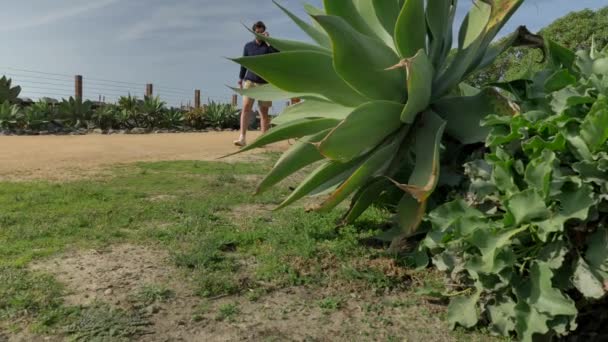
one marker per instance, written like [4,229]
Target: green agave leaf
[410,30]
[594,129]
[539,172]
[375,164]
[502,10]
[364,198]
[314,11]
[464,114]
[437,14]
[361,61]
[312,108]
[347,10]
[463,311]
[474,24]
[410,213]
[291,130]
[387,13]
[367,10]
[425,176]
[317,35]
[419,85]
[302,154]
[527,206]
[314,74]
[377,119]
[268,92]
[323,178]
[289,45]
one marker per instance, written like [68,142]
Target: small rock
[152,310]
[97,131]
[181,322]
[137,130]
[108,292]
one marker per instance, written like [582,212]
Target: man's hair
[259,25]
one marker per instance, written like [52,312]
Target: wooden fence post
[149,90]
[235,100]
[78,87]
[197,99]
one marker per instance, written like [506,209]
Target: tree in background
[575,31]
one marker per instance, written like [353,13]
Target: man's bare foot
[240,142]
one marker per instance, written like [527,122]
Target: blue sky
[178,45]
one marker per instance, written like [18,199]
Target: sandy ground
[66,157]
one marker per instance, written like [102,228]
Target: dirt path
[66,157]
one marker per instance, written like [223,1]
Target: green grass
[192,209]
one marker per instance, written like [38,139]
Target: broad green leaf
[502,177]
[367,10]
[387,13]
[410,213]
[302,154]
[574,204]
[600,66]
[592,171]
[373,165]
[410,30]
[587,282]
[490,244]
[559,80]
[364,198]
[529,322]
[425,176]
[464,114]
[312,108]
[463,311]
[294,129]
[268,92]
[377,119]
[544,297]
[578,146]
[559,55]
[290,45]
[314,74]
[527,206]
[361,61]
[539,172]
[347,10]
[317,35]
[597,251]
[594,129]
[502,316]
[446,215]
[323,177]
[553,254]
[419,85]
[535,146]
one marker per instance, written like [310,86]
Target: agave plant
[381,89]
[8,92]
[221,115]
[9,113]
[76,112]
[37,115]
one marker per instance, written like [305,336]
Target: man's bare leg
[247,108]
[264,118]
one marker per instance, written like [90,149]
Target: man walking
[248,79]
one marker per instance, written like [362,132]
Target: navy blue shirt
[255,49]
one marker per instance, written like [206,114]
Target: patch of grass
[151,294]
[228,312]
[103,323]
[331,303]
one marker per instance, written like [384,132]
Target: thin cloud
[55,16]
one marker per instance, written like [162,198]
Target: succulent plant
[382,86]
[8,92]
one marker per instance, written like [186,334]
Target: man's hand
[241,84]
[266,34]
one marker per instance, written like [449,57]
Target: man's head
[259,28]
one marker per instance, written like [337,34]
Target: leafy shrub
[76,112]
[529,244]
[171,118]
[195,118]
[107,116]
[222,115]
[8,92]
[9,114]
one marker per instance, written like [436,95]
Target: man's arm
[243,69]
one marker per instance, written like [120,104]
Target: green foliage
[529,245]
[577,30]
[9,114]
[107,116]
[76,112]
[8,92]
[413,84]
[195,118]
[222,115]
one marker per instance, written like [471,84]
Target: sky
[178,45]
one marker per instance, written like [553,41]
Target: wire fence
[36,85]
